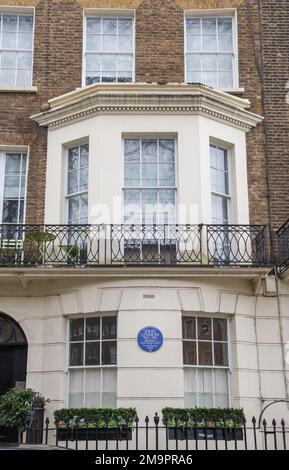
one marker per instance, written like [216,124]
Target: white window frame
[67,196]
[25,11]
[228,368]
[228,196]
[99,12]
[157,188]
[83,368]
[219,13]
[3,152]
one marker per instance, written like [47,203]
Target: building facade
[143,178]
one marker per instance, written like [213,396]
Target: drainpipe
[282,335]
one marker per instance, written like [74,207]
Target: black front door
[6,376]
[12,367]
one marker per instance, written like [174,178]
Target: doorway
[13,355]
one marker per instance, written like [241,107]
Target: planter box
[9,436]
[201,434]
[94,434]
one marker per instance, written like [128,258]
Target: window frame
[217,13]
[20,11]
[197,367]
[112,12]
[156,188]
[67,196]
[3,152]
[83,368]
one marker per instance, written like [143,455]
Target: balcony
[283,247]
[91,246]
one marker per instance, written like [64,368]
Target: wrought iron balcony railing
[283,247]
[137,245]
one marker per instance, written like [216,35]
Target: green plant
[204,417]
[95,417]
[15,406]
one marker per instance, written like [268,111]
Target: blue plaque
[150,339]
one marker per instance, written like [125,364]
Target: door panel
[6,371]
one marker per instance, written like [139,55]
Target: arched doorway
[13,355]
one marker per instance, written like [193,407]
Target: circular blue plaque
[150,339]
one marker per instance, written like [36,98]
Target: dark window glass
[190,352]
[189,328]
[204,329]
[109,328]
[76,354]
[109,355]
[92,329]
[220,330]
[205,354]
[77,330]
[92,354]
[221,354]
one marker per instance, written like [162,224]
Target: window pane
[193,25]
[73,182]
[209,43]
[167,175]
[77,330]
[24,41]
[205,353]
[221,388]
[73,209]
[204,329]
[209,26]
[132,150]
[92,329]
[84,149]
[76,354]
[73,158]
[109,327]
[220,329]
[92,354]
[125,44]
[26,24]
[190,352]
[93,25]
[189,328]
[221,354]
[7,77]
[93,42]
[149,151]
[109,353]
[92,388]
[149,175]
[8,60]
[109,388]
[109,26]
[76,389]
[11,212]
[10,23]
[205,388]
[194,43]
[190,387]
[109,43]
[132,174]
[125,26]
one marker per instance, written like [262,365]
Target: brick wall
[160,58]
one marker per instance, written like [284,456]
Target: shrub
[95,417]
[203,417]
[15,406]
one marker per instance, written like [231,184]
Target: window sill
[18,89]
[234,91]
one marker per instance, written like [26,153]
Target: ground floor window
[206,362]
[92,362]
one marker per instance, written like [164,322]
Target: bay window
[206,362]
[16,49]
[13,176]
[210,54]
[108,51]
[92,362]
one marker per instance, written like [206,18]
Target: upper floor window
[150,181]
[16,50]
[13,176]
[220,185]
[77,185]
[109,50]
[210,51]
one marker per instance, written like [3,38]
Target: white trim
[112,12]
[19,89]
[217,13]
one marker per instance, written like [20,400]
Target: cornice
[148,99]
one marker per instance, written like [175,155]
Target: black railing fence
[115,245]
[283,247]
[153,435]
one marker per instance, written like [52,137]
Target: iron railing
[283,247]
[101,245]
[154,435]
